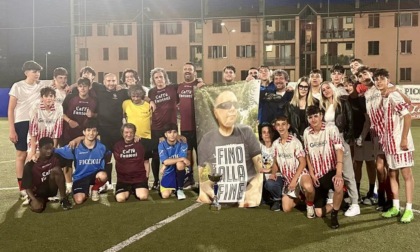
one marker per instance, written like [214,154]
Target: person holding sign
[233,151]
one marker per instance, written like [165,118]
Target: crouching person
[131,166]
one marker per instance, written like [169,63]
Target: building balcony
[280,35]
[337,34]
[335,59]
[279,61]
[196,38]
[197,62]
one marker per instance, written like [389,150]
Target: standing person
[77,108]
[173,156]
[272,186]
[60,83]
[229,75]
[89,159]
[22,96]
[253,74]
[290,161]
[362,148]
[43,178]
[187,112]
[315,80]
[337,111]
[46,120]
[266,87]
[398,145]
[89,73]
[110,117]
[295,111]
[337,78]
[164,97]
[131,166]
[323,140]
[130,77]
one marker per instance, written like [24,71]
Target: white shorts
[377,147]
[401,160]
[295,193]
[365,152]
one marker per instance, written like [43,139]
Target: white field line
[151,229]
[7,161]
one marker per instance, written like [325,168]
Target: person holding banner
[233,151]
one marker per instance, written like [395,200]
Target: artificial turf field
[99,226]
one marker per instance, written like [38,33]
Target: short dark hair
[281,118]
[91,123]
[315,71]
[31,65]
[337,68]
[129,70]
[356,59]
[170,126]
[381,72]
[363,68]
[83,81]
[312,110]
[280,72]
[47,91]
[128,126]
[60,71]
[191,64]
[230,67]
[263,66]
[87,69]
[44,141]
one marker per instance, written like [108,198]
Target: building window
[405,46]
[123,53]
[269,23]
[217,26]
[105,53]
[102,30]
[171,52]
[373,48]
[244,74]
[84,54]
[349,46]
[172,76]
[83,30]
[171,28]
[246,51]
[245,25]
[349,20]
[374,20]
[216,52]
[101,77]
[122,30]
[407,19]
[217,76]
[405,74]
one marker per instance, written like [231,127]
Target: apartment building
[293,35]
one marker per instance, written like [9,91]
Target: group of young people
[314,137]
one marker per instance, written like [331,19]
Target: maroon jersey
[186,105]
[129,159]
[166,100]
[75,108]
[34,174]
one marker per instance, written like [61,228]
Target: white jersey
[321,148]
[394,109]
[26,96]
[267,154]
[375,111]
[287,156]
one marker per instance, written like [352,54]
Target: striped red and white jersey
[375,111]
[321,148]
[45,123]
[287,156]
[395,108]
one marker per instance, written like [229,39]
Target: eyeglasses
[228,105]
[303,87]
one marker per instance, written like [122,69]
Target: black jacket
[344,119]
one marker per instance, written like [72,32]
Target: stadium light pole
[46,64]
[228,45]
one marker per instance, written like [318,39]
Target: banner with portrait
[226,119]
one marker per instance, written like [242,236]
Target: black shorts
[321,192]
[109,136]
[148,147]
[156,135]
[82,185]
[45,190]
[191,139]
[22,129]
[131,188]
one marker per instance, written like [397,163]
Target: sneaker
[155,186]
[180,194]
[370,200]
[353,210]
[330,196]
[189,182]
[106,187]
[26,201]
[275,206]
[334,220]
[392,212]
[68,190]
[310,212]
[23,195]
[66,204]
[407,217]
[95,196]
[54,199]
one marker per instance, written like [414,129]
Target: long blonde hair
[296,96]
[325,103]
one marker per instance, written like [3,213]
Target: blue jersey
[167,151]
[86,161]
